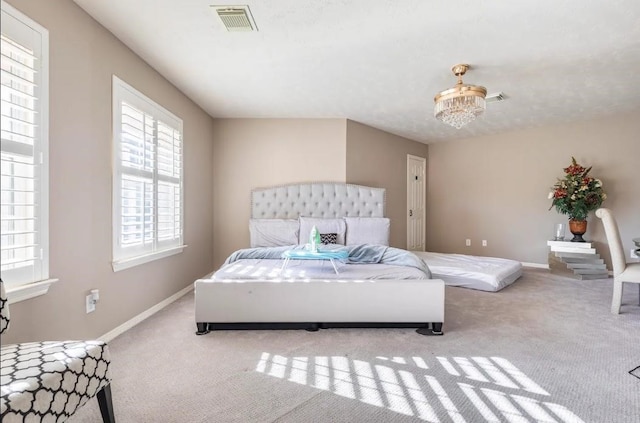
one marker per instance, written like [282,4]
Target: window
[24,154]
[147,186]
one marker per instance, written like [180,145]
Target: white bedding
[475,272]
[304,270]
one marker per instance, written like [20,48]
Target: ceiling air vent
[236,18]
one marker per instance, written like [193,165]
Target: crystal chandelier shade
[461,104]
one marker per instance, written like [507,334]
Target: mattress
[475,272]
[305,270]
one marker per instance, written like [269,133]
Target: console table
[578,260]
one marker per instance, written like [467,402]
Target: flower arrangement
[577,193]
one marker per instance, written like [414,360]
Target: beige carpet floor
[545,349]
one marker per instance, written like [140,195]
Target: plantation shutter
[148,206]
[24,179]
[169,181]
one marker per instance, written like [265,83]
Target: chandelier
[461,104]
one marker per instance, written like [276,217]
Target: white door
[416,202]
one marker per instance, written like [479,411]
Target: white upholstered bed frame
[319,303]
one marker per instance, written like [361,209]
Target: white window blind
[147,197]
[24,151]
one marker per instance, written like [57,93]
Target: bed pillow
[367,230]
[329,238]
[273,232]
[324,226]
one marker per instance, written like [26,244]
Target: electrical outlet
[633,253]
[90,304]
[468,242]
[484,242]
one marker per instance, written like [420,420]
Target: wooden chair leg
[106,404]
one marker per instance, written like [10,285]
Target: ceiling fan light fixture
[461,104]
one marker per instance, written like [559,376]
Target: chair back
[613,238]
[4,309]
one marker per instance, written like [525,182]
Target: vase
[577,228]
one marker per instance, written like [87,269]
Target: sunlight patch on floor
[491,389]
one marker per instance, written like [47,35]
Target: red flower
[574,169]
[560,193]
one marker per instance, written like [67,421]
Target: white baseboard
[144,315]
[536,265]
[546,266]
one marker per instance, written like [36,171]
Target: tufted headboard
[319,199]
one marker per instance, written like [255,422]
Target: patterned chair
[48,381]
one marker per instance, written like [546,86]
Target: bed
[378,286]
[475,272]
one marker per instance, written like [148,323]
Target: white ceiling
[380,62]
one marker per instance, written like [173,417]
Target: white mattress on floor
[475,272]
[270,270]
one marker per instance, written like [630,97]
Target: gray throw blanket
[364,253]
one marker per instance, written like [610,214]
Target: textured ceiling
[380,62]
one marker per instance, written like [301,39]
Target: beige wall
[254,153]
[83,57]
[496,187]
[379,159]
[492,188]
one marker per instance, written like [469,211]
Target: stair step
[590,271]
[599,266]
[574,255]
[569,244]
[591,277]
[577,263]
[581,276]
[574,250]
[583,260]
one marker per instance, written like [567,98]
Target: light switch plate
[90,304]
